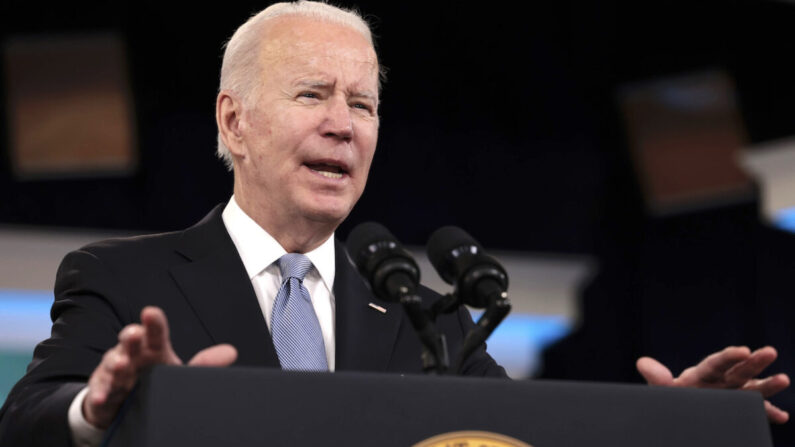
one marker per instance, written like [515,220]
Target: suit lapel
[217,287]
[365,337]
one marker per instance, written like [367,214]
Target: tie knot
[294,265]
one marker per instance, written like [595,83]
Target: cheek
[367,159]
[369,154]
[262,129]
[264,118]
[368,140]
[257,132]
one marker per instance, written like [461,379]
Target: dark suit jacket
[197,277]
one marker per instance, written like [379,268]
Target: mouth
[329,169]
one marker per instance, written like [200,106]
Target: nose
[338,122]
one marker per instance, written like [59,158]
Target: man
[297,114]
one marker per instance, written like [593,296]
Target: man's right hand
[140,346]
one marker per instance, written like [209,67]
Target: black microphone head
[364,235]
[446,245]
[460,261]
[382,260]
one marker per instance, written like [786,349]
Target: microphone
[461,262]
[387,266]
[394,276]
[478,280]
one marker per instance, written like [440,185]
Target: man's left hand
[736,367]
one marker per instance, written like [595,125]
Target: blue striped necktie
[294,326]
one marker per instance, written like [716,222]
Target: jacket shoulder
[143,246]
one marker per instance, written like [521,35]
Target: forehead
[294,44]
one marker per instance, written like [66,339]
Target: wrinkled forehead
[299,41]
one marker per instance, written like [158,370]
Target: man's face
[309,132]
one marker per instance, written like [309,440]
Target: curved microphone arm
[446,304]
[435,358]
[495,312]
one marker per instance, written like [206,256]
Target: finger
[768,386]
[654,372]
[775,414]
[99,382]
[155,328]
[104,396]
[156,336]
[112,380]
[712,369]
[218,355]
[131,340]
[96,395]
[99,409]
[751,367]
[121,373]
[94,402]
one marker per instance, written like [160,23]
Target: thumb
[218,355]
[654,372]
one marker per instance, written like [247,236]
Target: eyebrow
[324,85]
[314,83]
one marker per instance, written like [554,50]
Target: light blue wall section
[24,321]
[24,318]
[518,342]
[785,219]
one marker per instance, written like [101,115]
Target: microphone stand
[496,311]
[498,308]
[435,358]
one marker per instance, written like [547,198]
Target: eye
[310,95]
[362,106]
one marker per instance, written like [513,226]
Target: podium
[182,406]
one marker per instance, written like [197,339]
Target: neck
[295,234]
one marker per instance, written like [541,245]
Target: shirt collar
[258,249]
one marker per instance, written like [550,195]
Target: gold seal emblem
[471,439]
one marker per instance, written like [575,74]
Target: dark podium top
[248,407]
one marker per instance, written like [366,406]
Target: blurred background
[632,164]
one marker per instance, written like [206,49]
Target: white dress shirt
[259,252]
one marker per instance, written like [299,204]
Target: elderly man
[261,280]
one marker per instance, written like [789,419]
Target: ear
[228,114]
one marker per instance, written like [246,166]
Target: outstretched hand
[732,368]
[140,346]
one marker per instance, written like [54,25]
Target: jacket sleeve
[87,315]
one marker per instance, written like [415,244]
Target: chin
[328,214]
[329,209]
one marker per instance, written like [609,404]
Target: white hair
[240,70]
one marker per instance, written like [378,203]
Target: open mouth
[328,170]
